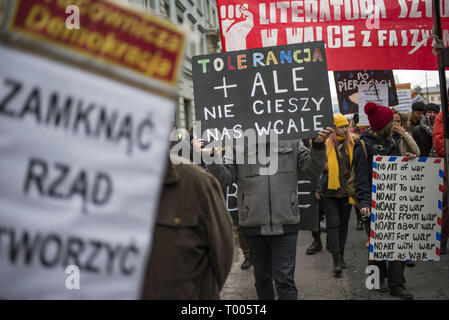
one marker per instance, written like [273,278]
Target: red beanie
[378,116]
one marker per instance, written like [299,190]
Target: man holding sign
[268,210]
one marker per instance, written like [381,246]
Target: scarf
[427,124]
[332,163]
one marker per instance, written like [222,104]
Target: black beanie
[432,106]
[418,106]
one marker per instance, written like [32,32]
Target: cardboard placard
[347,83]
[281,88]
[406,209]
[404,97]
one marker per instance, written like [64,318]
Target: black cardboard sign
[284,88]
[347,82]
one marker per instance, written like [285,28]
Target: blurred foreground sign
[139,45]
[81,167]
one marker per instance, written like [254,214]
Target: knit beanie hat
[340,120]
[433,107]
[418,106]
[378,116]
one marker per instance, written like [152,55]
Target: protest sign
[347,83]
[406,209]
[282,88]
[307,204]
[81,167]
[371,93]
[405,98]
[359,34]
[109,37]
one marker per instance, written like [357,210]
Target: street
[315,280]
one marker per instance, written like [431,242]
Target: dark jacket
[268,204]
[363,166]
[423,140]
[193,242]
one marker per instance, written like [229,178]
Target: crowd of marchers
[193,241]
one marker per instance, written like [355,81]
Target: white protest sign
[371,93]
[404,97]
[406,209]
[81,165]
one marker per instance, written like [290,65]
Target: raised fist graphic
[236,22]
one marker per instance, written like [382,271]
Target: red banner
[359,34]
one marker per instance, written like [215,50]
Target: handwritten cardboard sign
[404,97]
[347,84]
[282,88]
[406,209]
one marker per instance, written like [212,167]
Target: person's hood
[369,137]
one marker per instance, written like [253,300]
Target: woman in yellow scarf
[336,202]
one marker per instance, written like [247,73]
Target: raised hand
[236,23]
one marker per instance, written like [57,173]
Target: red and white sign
[359,34]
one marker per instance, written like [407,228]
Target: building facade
[200,19]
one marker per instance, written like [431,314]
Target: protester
[336,202]
[438,142]
[402,137]
[378,141]
[269,213]
[193,244]
[416,114]
[422,134]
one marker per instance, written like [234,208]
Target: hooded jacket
[268,204]
[363,166]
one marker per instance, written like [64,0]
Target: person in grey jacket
[269,213]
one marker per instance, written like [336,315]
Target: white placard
[406,209]
[81,163]
[405,101]
[370,93]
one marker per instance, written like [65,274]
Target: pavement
[315,281]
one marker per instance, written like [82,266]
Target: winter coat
[363,166]
[268,204]
[193,243]
[406,143]
[423,140]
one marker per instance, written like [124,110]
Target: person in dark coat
[422,134]
[193,243]
[378,141]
